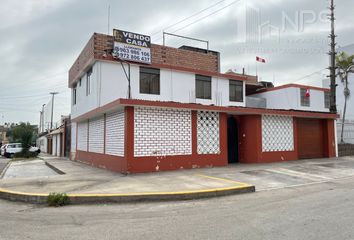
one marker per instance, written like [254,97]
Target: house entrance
[232,140]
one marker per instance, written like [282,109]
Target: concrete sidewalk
[84,183]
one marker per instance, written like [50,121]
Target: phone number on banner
[130,53]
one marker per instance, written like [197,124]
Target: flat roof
[291,85]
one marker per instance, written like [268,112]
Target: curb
[40,198]
[57,170]
[5,169]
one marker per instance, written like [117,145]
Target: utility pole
[332,68]
[42,129]
[40,122]
[108,19]
[51,118]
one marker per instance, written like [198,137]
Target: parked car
[13,148]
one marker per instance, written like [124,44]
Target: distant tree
[23,133]
[345,66]
[9,134]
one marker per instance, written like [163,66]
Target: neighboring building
[42,142]
[57,141]
[3,137]
[184,113]
[55,138]
[293,97]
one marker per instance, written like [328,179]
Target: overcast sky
[40,39]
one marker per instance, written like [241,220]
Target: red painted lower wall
[251,142]
[167,163]
[113,163]
[250,148]
[267,157]
[131,164]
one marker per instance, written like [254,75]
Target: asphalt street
[315,211]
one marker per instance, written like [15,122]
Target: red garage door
[310,138]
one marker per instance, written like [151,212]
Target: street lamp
[42,126]
[51,118]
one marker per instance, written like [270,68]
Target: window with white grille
[115,133]
[82,136]
[277,133]
[208,132]
[96,135]
[159,132]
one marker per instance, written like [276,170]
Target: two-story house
[181,112]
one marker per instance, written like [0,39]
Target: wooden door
[310,138]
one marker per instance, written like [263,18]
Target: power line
[309,75]
[191,16]
[20,95]
[202,18]
[318,71]
[45,78]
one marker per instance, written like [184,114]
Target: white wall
[289,98]
[177,86]
[86,103]
[317,102]
[109,83]
[42,143]
[56,145]
[73,137]
[112,81]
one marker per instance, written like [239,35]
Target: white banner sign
[131,46]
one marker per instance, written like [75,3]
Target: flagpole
[256,68]
[273,78]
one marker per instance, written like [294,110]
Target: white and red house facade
[183,113]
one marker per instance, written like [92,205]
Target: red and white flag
[307,93]
[259,59]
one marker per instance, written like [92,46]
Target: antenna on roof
[108,18]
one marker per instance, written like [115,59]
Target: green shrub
[24,134]
[25,155]
[58,199]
